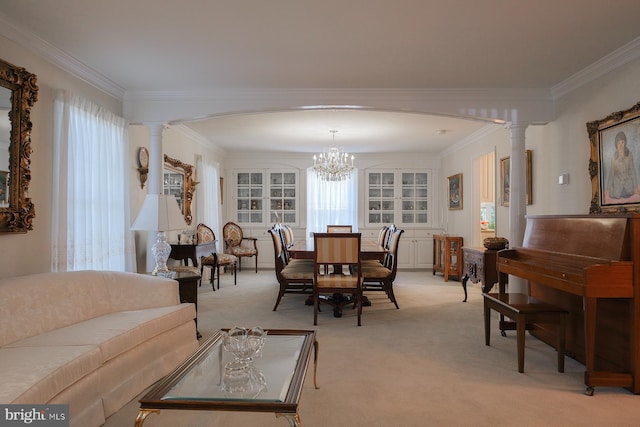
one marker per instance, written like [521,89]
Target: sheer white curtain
[331,202]
[208,195]
[90,188]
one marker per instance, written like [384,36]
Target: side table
[188,288]
[479,266]
[447,255]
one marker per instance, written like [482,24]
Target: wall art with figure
[455,192]
[615,162]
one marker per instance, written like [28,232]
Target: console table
[479,266]
[191,251]
[447,255]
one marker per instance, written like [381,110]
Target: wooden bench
[525,311]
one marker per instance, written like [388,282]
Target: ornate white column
[517,185]
[156,161]
[154,183]
[517,196]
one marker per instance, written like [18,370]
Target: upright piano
[590,266]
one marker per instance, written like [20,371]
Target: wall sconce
[143,165]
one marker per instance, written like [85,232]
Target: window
[91,194]
[331,202]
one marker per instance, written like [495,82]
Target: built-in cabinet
[265,197]
[398,197]
[260,198]
[416,249]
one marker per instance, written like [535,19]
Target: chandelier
[333,165]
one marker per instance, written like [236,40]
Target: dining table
[370,249]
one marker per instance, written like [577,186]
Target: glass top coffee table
[273,382]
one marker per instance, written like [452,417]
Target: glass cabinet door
[282,194]
[381,197]
[266,196]
[398,197]
[414,198]
[249,191]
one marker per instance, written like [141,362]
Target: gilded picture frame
[614,165]
[505,179]
[455,192]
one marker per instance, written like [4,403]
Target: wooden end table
[188,288]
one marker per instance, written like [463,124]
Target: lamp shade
[159,212]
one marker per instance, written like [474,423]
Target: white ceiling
[186,45]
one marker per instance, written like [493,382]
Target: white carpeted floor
[422,365]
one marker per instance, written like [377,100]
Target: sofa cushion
[114,333]
[38,303]
[36,374]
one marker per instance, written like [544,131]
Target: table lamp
[160,212]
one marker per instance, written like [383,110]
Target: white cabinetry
[262,197]
[416,249]
[399,197]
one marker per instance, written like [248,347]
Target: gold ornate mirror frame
[18,216]
[188,185]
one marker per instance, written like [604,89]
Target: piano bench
[525,311]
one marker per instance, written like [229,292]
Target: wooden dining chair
[380,277]
[337,248]
[337,268]
[294,275]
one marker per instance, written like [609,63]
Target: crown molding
[68,63]
[189,133]
[617,58]
[484,131]
[58,57]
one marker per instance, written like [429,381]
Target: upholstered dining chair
[239,245]
[337,248]
[380,277]
[294,275]
[337,268]
[214,261]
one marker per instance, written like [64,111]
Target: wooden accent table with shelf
[447,256]
[479,266]
[188,289]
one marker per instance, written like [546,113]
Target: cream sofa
[90,339]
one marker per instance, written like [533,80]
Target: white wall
[31,252]
[558,147]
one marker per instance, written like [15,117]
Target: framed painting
[613,166]
[505,179]
[455,191]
